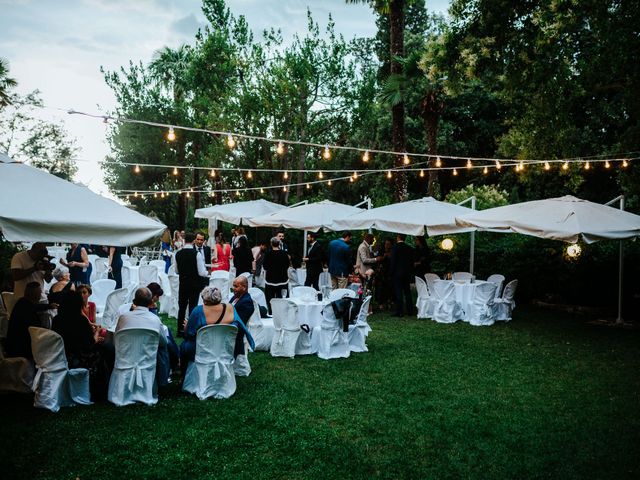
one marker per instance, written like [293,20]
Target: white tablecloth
[302,275]
[465,292]
[309,313]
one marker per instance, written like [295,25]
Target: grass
[545,396]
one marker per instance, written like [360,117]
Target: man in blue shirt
[340,260]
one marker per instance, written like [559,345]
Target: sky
[59,46]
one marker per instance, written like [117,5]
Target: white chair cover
[498,280]
[446,309]
[127,280]
[358,333]
[423,298]
[101,288]
[329,341]
[221,284]
[16,374]
[287,328]
[174,281]
[258,296]
[504,306]
[108,318]
[261,279]
[211,374]
[100,270]
[324,280]
[304,293]
[142,261]
[241,366]
[134,373]
[339,293]
[431,279]
[220,274]
[167,297]
[54,384]
[159,264]
[465,277]
[232,272]
[249,278]
[261,329]
[293,277]
[482,309]
[147,274]
[8,303]
[172,270]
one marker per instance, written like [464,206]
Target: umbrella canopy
[312,216]
[410,218]
[38,206]
[238,213]
[566,218]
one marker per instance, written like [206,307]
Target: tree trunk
[196,195]
[301,156]
[396,28]
[432,107]
[182,201]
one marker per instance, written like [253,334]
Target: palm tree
[6,83]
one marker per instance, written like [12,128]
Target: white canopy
[566,218]
[238,213]
[311,217]
[411,218]
[38,206]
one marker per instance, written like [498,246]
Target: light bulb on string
[249,175]
[388,173]
[455,172]
[175,170]
[171,135]
[547,166]
[355,175]
[284,189]
[406,160]
[161,194]
[521,165]
[137,169]
[351,179]
[231,142]
[237,193]
[329,183]
[308,186]
[587,165]
[365,156]
[326,153]
[320,175]
[285,175]
[421,173]
[565,166]
[485,170]
[135,194]
[261,190]
[280,148]
[498,165]
[607,164]
[469,164]
[438,162]
[625,164]
[155,194]
[188,194]
[212,173]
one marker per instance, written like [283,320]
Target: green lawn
[546,395]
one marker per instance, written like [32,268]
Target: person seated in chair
[212,312]
[243,303]
[140,316]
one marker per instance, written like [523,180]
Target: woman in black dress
[242,257]
[115,265]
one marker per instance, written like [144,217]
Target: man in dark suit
[314,260]
[203,249]
[193,278]
[243,303]
[402,258]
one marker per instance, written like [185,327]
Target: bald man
[243,303]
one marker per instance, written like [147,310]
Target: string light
[565,166]
[469,164]
[285,175]
[421,173]
[135,194]
[365,156]
[171,135]
[188,194]
[406,160]
[350,179]
[280,148]
[137,169]
[261,190]
[438,162]
[237,193]
[607,164]
[308,187]
[625,164]
[212,173]
[326,154]
[521,165]
[249,175]
[284,189]
[329,183]
[231,143]
[355,175]
[498,165]
[388,173]
[455,172]
[320,175]
[175,170]
[161,194]
[485,170]
[547,166]
[155,195]
[587,166]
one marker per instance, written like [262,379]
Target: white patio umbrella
[565,218]
[239,212]
[311,217]
[38,206]
[415,217]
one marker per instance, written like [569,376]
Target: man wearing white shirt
[141,317]
[193,278]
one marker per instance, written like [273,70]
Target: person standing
[365,261]
[114,265]
[30,266]
[340,260]
[202,248]
[314,261]
[276,264]
[223,252]
[193,277]
[423,258]
[167,251]
[242,257]
[77,261]
[402,261]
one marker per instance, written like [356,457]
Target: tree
[6,83]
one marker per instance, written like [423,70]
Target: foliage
[6,83]
[487,196]
[545,395]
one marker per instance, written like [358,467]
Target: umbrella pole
[472,243]
[304,244]
[619,320]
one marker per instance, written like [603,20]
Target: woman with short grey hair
[59,290]
[211,296]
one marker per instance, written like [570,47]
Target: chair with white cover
[431,279]
[211,373]
[16,374]
[101,288]
[446,309]
[261,329]
[482,308]
[100,270]
[159,264]
[232,272]
[498,280]
[249,278]
[258,296]
[287,328]
[147,274]
[8,299]
[423,298]
[293,277]
[241,365]
[260,280]
[134,373]
[462,277]
[329,339]
[172,269]
[220,274]
[55,385]
[221,284]
[505,304]
[127,280]
[174,281]
[339,293]
[108,318]
[324,280]
[358,333]
[304,293]
[142,261]
[167,297]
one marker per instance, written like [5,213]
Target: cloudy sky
[58,47]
